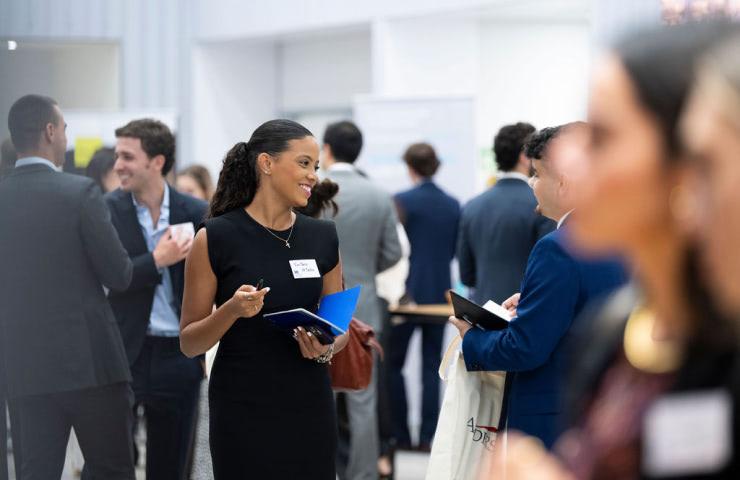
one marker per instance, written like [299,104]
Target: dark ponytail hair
[239,180]
[660,63]
[321,200]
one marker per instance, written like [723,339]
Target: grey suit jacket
[368,240]
[58,249]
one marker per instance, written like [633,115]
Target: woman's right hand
[247,301]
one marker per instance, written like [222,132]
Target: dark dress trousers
[165,381]
[65,361]
[498,229]
[430,217]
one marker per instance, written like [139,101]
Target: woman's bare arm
[200,325]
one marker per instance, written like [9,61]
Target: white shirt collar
[341,167]
[562,219]
[515,175]
[25,161]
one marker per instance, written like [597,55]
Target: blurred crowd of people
[612,243]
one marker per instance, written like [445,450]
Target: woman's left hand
[310,346]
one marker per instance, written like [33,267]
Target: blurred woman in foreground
[653,392]
[711,131]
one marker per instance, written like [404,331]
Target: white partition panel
[389,125]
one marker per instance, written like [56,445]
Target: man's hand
[511,303]
[461,325]
[169,251]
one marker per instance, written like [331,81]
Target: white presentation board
[390,125]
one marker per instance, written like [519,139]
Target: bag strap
[447,358]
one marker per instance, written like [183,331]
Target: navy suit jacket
[555,289]
[133,306]
[498,229]
[430,218]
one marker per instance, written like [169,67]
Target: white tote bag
[468,422]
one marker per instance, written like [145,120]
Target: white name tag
[688,434]
[304,269]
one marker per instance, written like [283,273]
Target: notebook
[332,318]
[491,316]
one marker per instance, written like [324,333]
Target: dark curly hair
[239,180]
[508,144]
[538,142]
[321,200]
[156,139]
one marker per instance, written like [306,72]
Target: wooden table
[433,313]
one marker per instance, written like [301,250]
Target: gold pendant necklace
[642,351]
[284,240]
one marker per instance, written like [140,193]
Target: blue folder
[332,318]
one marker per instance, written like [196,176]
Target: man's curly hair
[538,142]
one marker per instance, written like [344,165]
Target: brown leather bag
[352,368]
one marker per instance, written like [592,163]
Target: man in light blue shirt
[144,210]
[163,321]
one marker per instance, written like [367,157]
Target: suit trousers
[167,383]
[15,437]
[101,418]
[432,335]
[3,440]
[364,447]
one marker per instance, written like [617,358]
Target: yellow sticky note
[85,148]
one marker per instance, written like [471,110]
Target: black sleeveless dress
[272,411]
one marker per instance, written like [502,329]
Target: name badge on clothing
[304,269]
[688,434]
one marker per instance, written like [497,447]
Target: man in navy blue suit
[430,218]
[499,227]
[555,289]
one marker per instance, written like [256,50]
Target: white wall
[235,89]
[533,72]
[517,68]
[154,39]
[228,19]
[77,76]
[426,56]
[325,73]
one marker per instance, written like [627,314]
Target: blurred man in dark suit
[7,162]
[65,362]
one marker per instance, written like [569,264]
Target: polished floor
[409,466]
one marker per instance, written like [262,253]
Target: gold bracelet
[326,356]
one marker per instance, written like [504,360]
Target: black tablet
[476,315]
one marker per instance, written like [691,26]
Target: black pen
[260,284]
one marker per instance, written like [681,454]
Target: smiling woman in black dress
[271,404]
